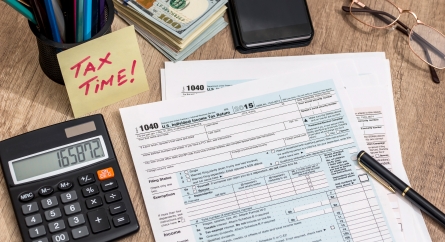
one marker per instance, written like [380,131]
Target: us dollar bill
[179,17]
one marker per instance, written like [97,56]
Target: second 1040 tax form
[263,161]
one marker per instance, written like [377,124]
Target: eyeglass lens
[425,42]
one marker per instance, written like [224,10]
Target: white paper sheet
[295,138]
[373,70]
[187,75]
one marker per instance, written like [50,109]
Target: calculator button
[37,231]
[56,226]
[76,220]
[30,208]
[98,220]
[80,232]
[41,240]
[33,220]
[61,237]
[94,202]
[53,214]
[49,202]
[64,185]
[86,179]
[109,185]
[113,196]
[117,208]
[26,196]
[90,190]
[121,220]
[72,208]
[68,197]
[45,191]
[105,174]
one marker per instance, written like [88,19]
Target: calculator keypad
[68,197]
[121,220]
[56,226]
[41,240]
[62,237]
[64,185]
[37,231]
[30,208]
[80,232]
[76,220]
[90,190]
[94,202]
[53,214]
[86,179]
[91,193]
[33,220]
[49,202]
[99,220]
[109,185]
[117,208]
[113,196]
[46,190]
[26,196]
[72,208]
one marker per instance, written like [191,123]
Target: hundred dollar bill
[179,17]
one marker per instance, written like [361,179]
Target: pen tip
[354,156]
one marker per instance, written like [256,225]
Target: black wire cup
[48,49]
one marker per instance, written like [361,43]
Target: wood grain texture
[29,100]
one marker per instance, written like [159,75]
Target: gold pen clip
[384,183]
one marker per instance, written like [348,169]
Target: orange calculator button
[105,173]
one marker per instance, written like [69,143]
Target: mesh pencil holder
[49,49]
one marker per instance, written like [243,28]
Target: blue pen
[79,21]
[87,21]
[52,21]
[21,9]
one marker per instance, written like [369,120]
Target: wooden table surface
[29,100]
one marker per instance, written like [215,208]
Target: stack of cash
[175,27]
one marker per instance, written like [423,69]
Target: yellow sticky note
[103,71]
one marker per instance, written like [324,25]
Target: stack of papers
[261,151]
[175,27]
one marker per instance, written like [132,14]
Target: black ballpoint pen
[393,183]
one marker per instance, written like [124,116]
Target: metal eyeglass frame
[383,16]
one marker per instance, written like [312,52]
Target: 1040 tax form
[268,160]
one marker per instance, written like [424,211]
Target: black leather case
[242,50]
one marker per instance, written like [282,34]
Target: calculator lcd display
[58,160]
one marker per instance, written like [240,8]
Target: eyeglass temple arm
[405,30]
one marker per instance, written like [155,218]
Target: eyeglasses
[425,42]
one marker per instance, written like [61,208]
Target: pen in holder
[48,49]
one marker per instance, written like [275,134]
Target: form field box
[354,206]
[241,171]
[358,212]
[289,191]
[366,234]
[361,222]
[309,206]
[352,198]
[328,146]
[228,197]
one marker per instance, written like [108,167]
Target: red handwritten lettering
[87,85]
[120,78]
[90,67]
[104,60]
[132,67]
[97,86]
[132,70]
[77,66]
[110,81]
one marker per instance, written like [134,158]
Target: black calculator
[65,183]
